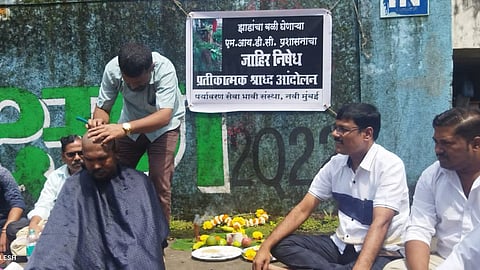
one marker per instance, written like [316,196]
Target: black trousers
[14,227]
[318,252]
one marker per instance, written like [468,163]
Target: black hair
[465,121]
[134,59]
[363,115]
[68,140]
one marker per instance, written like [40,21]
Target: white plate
[217,253]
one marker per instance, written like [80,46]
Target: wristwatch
[127,128]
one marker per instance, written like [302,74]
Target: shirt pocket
[151,97]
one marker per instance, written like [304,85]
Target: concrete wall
[406,70]
[53,55]
[466,24]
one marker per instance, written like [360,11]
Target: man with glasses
[446,204]
[369,185]
[72,157]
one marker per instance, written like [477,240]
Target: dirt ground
[182,260]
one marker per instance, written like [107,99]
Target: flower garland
[236,224]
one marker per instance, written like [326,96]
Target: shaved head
[108,147]
[99,159]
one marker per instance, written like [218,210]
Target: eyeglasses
[341,130]
[73,154]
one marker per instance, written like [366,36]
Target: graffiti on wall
[227,156]
[286,165]
[26,119]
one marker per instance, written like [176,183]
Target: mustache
[75,163]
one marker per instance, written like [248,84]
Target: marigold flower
[240,220]
[257,235]
[207,225]
[250,254]
[259,212]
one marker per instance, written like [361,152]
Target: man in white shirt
[369,184]
[446,204]
[72,157]
[465,255]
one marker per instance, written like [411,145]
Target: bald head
[87,142]
[99,159]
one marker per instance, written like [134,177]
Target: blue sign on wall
[402,8]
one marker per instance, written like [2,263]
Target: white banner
[268,60]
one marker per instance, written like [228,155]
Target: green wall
[51,62]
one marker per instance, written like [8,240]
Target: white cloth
[401,264]
[18,247]
[49,193]
[380,181]
[465,255]
[441,209]
[14,266]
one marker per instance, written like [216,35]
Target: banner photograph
[266,60]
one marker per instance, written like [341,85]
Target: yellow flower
[250,254]
[207,225]
[259,212]
[257,235]
[240,220]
